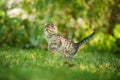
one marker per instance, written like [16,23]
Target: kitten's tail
[85,39]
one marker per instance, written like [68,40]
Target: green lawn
[34,64]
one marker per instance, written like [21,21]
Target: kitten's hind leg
[69,58]
[69,61]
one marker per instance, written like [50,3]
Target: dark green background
[21,22]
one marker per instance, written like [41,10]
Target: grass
[33,64]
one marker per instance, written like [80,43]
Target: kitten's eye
[46,29]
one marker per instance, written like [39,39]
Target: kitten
[61,44]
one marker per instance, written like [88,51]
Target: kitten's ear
[52,24]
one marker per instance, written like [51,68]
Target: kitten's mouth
[43,30]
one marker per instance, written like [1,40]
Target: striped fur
[61,44]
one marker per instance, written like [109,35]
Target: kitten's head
[50,28]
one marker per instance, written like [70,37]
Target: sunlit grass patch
[34,64]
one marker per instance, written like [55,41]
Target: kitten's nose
[43,30]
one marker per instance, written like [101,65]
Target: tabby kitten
[61,44]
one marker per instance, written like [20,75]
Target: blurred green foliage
[22,22]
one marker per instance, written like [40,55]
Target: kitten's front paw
[53,53]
